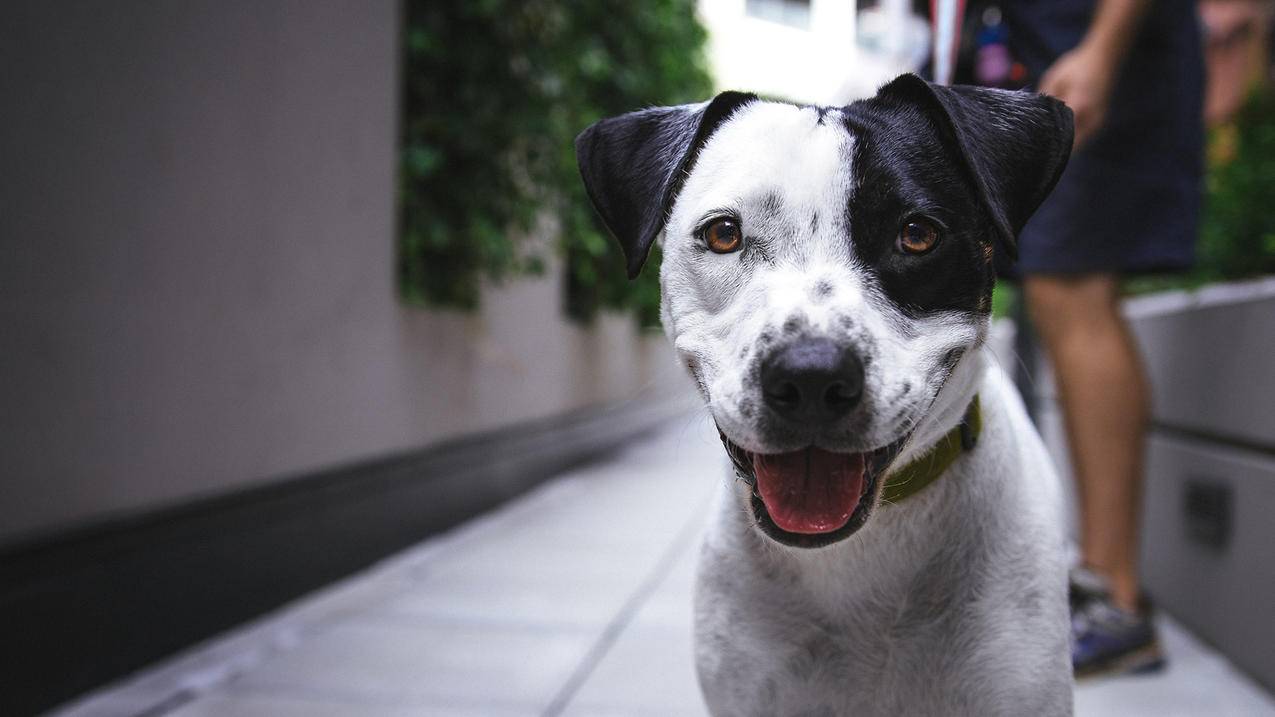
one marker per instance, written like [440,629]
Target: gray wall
[196,264]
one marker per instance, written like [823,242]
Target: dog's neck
[949,407]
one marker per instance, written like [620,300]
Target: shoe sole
[1144,660]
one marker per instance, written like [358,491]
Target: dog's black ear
[1015,145]
[634,165]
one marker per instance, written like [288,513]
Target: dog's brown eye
[723,235]
[917,237]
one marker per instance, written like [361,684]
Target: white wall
[777,60]
[197,264]
[821,64]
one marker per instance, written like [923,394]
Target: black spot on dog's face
[951,358]
[770,204]
[903,171]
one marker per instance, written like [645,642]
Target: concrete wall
[197,264]
[1209,356]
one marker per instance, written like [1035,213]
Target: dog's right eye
[917,236]
[723,235]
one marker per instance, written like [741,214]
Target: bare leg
[1105,402]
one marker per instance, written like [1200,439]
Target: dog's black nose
[812,381]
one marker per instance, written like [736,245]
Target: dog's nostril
[785,394]
[842,397]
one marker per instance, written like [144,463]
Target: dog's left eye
[917,236]
[723,235]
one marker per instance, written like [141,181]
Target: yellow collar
[913,477]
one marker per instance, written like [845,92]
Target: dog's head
[825,269]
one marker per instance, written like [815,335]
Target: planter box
[1219,583]
[1211,354]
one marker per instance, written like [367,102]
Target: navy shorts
[1129,200]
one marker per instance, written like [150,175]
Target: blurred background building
[288,286]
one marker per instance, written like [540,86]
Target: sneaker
[1084,585]
[1107,640]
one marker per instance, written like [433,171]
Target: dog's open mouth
[811,497]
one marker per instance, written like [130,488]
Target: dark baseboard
[84,608]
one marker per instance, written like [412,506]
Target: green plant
[494,93]
[1237,238]
[1237,233]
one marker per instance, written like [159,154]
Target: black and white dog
[893,543]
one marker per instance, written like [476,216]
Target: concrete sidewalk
[573,600]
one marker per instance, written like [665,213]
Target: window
[794,13]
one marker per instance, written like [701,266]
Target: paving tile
[521,599]
[258,705]
[649,670]
[510,562]
[670,605]
[403,662]
[620,511]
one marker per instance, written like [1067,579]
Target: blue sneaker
[1106,640]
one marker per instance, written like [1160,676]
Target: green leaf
[494,91]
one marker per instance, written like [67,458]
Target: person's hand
[1083,79]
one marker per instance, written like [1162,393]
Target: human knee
[1058,304]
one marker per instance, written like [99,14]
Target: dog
[891,539]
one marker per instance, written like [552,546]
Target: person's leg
[1105,402]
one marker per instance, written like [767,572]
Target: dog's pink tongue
[809,491]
